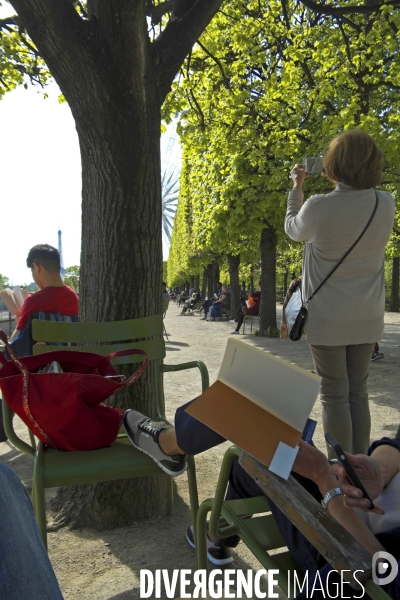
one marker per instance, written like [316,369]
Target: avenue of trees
[269,81]
[267,84]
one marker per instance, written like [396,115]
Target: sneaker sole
[162,467]
[214,561]
[220,562]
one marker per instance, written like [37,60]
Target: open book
[14,299]
[259,402]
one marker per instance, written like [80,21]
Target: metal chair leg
[170,496]
[38,494]
[193,493]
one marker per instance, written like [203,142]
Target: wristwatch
[331,494]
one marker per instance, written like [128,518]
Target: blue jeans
[25,569]
[214,310]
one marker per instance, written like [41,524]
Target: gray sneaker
[143,433]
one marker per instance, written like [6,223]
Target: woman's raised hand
[298,174]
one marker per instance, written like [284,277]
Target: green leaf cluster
[269,83]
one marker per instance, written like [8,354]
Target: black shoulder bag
[296,309]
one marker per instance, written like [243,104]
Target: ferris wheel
[170,174]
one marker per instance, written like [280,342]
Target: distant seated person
[181,297]
[165,294]
[252,308]
[223,301]
[207,304]
[189,303]
[53,296]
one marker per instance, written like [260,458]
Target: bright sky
[40,177]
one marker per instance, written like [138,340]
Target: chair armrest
[205,382]
[338,546]
[12,436]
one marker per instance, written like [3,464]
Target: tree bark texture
[394,292]
[197,283]
[234,262]
[268,244]
[215,275]
[210,289]
[285,282]
[204,283]
[115,82]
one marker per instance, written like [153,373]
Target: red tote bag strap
[25,391]
[139,372]
[4,339]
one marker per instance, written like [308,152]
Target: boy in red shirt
[54,296]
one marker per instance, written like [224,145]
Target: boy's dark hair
[46,256]
[164,284]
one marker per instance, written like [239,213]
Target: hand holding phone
[343,460]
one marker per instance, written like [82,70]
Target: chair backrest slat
[98,332]
[154,348]
[145,333]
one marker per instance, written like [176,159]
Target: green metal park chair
[53,468]
[250,317]
[262,536]
[165,308]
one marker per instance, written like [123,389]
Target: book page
[19,296]
[8,298]
[286,391]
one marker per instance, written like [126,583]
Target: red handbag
[65,410]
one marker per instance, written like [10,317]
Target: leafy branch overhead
[269,83]
[369,6]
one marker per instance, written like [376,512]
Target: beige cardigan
[349,308]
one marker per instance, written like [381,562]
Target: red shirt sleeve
[51,299]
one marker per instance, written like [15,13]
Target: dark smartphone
[351,474]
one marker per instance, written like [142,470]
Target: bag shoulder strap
[348,251]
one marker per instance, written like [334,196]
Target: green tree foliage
[19,59]
[4,282]
[269,83]
[72,277]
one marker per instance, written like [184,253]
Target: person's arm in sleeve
[301,219]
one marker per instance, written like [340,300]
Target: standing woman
[345,318]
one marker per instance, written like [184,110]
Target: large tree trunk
[197,283]
[285,282]
[204,285]
[120,181]
[268,243]
[115,81]
[394,293]
[215,275]
[210,290]
[234,262]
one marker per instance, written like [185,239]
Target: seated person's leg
[240,320]
[214,311]
[25,569]
[166,445]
